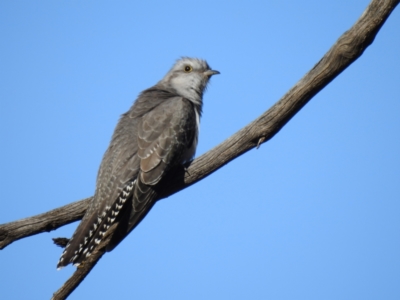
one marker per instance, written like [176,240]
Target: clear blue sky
[313,214]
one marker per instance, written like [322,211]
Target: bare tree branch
[345,51]
[51,220]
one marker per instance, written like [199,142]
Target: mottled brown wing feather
[150,139]
[164,134]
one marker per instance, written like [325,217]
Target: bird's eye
[188,69]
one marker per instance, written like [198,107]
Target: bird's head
[189,78]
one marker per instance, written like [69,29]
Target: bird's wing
[163,136]
[131,168]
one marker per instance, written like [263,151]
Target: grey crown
[158,132]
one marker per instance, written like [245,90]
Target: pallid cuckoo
[158,132]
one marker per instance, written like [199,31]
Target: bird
[159,132]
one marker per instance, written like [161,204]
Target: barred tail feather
[91,231]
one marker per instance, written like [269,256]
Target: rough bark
[51,220]
[345,51]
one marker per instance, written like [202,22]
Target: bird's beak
[210,73]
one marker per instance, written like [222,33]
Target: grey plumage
[158,132]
